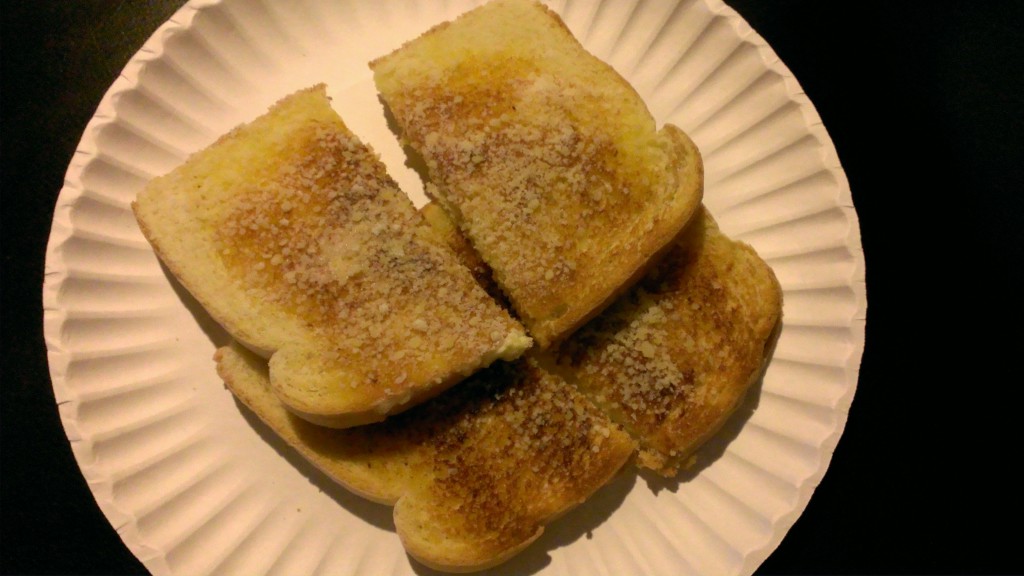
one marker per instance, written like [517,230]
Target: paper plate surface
[195,485]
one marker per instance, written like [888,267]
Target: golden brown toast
[290,233]
[546,158]
[475,473]
[671,359]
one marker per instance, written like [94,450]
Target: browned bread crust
[475,473]
[544,156]
[290,233]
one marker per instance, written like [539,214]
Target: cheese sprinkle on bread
[671,360]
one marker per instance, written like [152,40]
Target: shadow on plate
[413,159]
[378,515]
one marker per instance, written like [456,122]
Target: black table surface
[924,103]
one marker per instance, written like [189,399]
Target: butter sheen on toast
[474,474]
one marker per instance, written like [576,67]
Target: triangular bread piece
[290,233]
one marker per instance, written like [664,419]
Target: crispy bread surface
[671,360]
[291,234]
[475,473]
[544,156]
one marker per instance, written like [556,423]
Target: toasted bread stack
[555,196]
[291,234]
[545,158]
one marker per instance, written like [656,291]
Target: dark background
[924,103]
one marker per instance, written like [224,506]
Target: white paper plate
[195,485]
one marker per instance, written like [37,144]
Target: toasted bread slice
[291,234]
[475,473]
[671,359]
[544,156]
